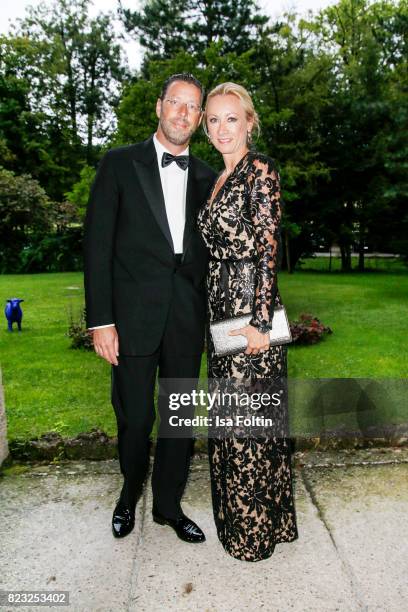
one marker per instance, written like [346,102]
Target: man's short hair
[182,76]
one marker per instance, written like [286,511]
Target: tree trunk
[89,148]
[287,252]
[91,110]
[71,88]
[345,257]
[361,248]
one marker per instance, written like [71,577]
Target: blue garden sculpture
[13,313]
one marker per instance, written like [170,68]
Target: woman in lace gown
[251,478]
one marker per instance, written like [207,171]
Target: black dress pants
[133,384]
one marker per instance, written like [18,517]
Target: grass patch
[50,387]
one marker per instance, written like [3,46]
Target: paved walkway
[352,553]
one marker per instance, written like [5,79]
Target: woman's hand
[257,342]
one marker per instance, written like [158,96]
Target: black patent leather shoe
[123,520]
[185,528]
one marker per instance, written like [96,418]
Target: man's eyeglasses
[192,107]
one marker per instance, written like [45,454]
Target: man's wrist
[101,326]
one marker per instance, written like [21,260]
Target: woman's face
[227,124]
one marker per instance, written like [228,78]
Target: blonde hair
[240,92]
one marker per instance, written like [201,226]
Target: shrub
[53,252]
[25,211]
[79,194]
[308,330]
[77,331]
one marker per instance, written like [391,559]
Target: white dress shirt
[174,187]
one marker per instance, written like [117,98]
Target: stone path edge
[97,445]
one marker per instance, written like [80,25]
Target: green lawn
[48,386]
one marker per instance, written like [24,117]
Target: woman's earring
[249,137]
[209,138]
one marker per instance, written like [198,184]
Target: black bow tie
[181,160]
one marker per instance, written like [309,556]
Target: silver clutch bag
[224,344]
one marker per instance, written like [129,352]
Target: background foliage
[331,91]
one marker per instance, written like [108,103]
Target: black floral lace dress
[251,478]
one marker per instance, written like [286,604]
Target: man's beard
[174,134]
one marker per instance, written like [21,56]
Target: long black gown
[251,478]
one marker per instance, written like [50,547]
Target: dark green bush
[77,331]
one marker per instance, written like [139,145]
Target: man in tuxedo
[145,266]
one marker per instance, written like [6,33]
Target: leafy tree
[36,234]
[58,250]
[357,140]
[25,212]
[290,83]
[167,27]
[82,67]
[23,127]
[79,194]
[137,115]
[331,94]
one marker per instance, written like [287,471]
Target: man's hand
[106,344]
[257,342]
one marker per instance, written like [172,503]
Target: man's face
[178,113]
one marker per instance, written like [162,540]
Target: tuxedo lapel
[147,170]
[191,205]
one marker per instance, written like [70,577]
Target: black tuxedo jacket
[131,277]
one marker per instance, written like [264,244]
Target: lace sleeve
[266,211]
